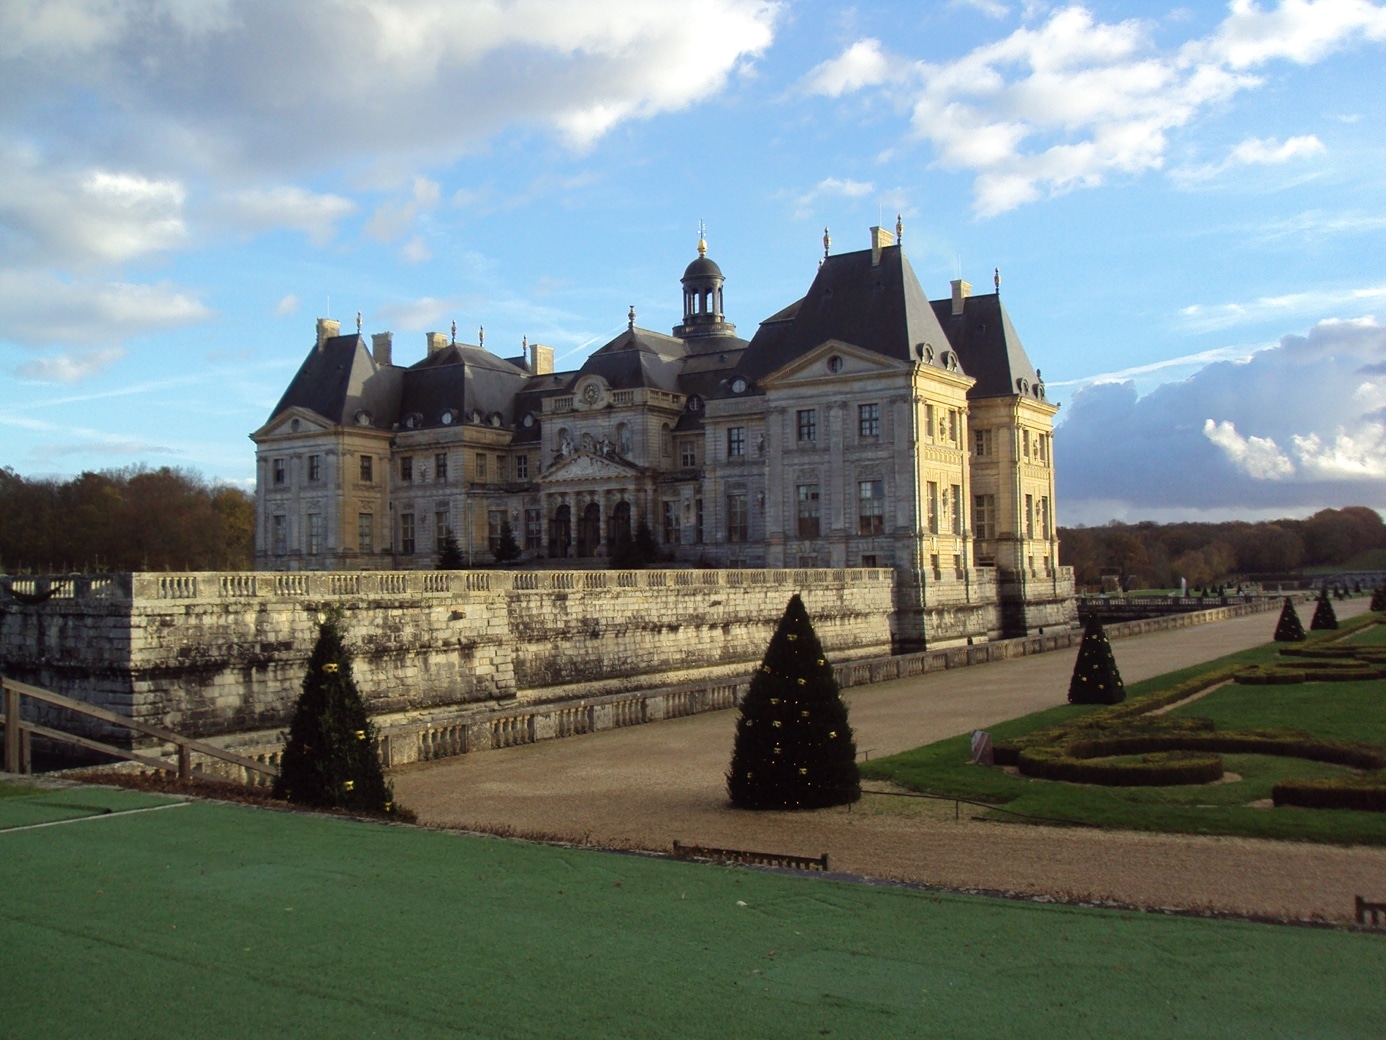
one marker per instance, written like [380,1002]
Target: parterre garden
[1274,742]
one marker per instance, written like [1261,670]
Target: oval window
[835,364]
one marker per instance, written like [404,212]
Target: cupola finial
[481,336]
[358,322]
[454,333]
[899,229]
[996,279]
[631,317]
[827,243]
[702,238]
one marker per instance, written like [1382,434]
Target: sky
[1186,204]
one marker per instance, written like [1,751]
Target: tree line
[1151,555]
[124,520]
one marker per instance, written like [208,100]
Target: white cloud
[1072,101]
[41,308]
[71,367]
[1252,152]
[286,306]
[287,206]
[990,8]
[831,187]
[394,219]
[1210,317]
[427,314]
[1257,457]
[416,251]
[1353,453]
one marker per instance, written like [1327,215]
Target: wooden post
[184,762]
[12,764]
[26,751]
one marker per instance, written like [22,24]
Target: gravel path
[645,786]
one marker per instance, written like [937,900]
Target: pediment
[293,422]
[582,466]
[832,359]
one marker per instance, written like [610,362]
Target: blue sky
[1187,206]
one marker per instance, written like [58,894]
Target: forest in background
[133,519]
[1155,556]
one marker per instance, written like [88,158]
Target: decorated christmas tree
[1289,629]
[794,748]
[1379,598]
[1324,616]
[1096,679]
[507,548]
[450,555]
[330,759]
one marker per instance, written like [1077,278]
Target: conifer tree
[330,759]
[507,548]
[1096,679]
[450,555]
[1378,598]
[1289,629]
[1324,615]
[794,748]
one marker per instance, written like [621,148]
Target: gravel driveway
[645,786]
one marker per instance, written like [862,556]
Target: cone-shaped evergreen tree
[1324,615]
[1378,598]
[1096,679]
[450,555]
[507,548]
[794,748]
[1289,629]
[330,757]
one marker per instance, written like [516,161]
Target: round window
[738,385]
[446,418]
[835,364]
[528,419]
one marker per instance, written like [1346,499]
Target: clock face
[738,385]
[590,393]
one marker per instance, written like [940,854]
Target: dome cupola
[702,298]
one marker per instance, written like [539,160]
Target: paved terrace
[646,786]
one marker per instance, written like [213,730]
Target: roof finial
[996,279]
[358,322]
[481,335]
[631,316]
[899,229]
[827,243]
[702,239]
[454,333]
[524,345]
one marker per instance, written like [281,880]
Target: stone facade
[862,426]
[207,654]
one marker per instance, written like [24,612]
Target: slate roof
[988,346]
[339,379]
[881,308]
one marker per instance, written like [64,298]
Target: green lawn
[1372,636]
[220,921]
[1347,711]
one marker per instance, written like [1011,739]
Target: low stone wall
[216,653]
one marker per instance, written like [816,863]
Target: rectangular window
[673,535]
[406,469]
[869,560]
[314,534]
[954,425]
[933,507]
[440,467]
[480,469]
[957,565]
[521,467]
[534,527]
[281,535]
[808,425]
[1030,519]
[279,471]
[314,468]
[698,521]
[955,508]
[870,507]
[984,516]
[933,566]
[1046,521]
[442,527]
[365,532]
[1042,441]
[367,469]
[807,495]
[869,420]
[736,442]
[929,421]
[1025,443]
[688,452]
[495,522]
[500,468]
[738,527]
[406,533]
[981,443]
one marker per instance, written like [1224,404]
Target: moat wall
[216,653]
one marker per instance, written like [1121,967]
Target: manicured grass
[1346,711]
[1375,635]
[220,922]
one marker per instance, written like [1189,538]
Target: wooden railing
[759,859]
[18,758]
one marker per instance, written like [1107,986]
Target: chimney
[961,291]
[880,238]
[382,348]
[540,360]
[327,328]
[436,342]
